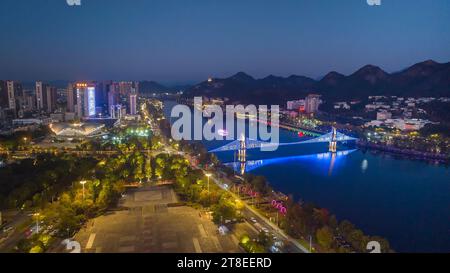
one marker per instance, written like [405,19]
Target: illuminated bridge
[333,137]
[250,165]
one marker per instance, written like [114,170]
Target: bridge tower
[242,154]
[333,141]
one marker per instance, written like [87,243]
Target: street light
[83,183]
[208,175]
[310,244]
[37,221]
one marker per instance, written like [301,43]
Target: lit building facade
[77,130]
[85,96]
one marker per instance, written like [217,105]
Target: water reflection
[364,165]
[328,159]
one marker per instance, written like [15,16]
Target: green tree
[148,169]
[223,211]
[138,164]
[265,240]
[37,249]
[325,237]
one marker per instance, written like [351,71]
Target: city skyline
[225,127]
[173,42]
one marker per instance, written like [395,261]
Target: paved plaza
[146,223]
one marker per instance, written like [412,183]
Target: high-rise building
[30,102]
[312,103]
[11,95]
[15,94]
[3,95]
[101,91]
[41,96]
[85,96]
[125,88]
[71,98]
[46,97]
[113,100]
[133,104]
[52,97]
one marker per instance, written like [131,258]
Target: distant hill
[427,78]
[152,87]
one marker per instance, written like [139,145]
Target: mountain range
[428,78]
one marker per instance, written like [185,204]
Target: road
[262,219]
[9,240]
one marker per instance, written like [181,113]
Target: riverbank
[407,153]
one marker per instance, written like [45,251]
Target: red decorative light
[279,206]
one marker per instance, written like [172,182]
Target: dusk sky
[189,40]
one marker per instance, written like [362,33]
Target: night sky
[189,40]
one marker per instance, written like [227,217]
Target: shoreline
[405,154]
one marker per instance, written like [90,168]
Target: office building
[85,96]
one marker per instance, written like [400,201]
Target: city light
[284,127]
[83,182]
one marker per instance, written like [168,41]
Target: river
[405,201]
